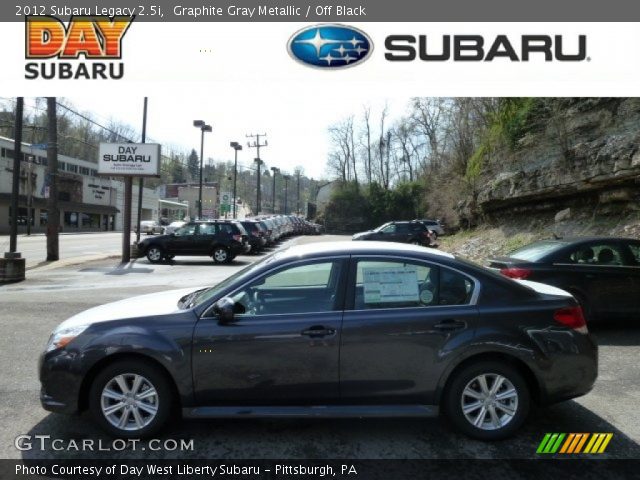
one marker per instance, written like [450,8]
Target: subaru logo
[330,46]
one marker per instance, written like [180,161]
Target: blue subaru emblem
[330,46]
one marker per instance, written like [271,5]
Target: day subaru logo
[330,46]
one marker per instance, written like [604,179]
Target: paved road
[72,246]
[31,309]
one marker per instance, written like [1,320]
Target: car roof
[360,248]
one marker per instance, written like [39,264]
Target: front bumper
[60,382]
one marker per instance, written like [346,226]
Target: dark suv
[256,233]
[413,232]
[222,240]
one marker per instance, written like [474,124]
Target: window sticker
[390,284]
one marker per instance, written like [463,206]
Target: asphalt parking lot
[30,310]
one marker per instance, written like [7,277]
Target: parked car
[327,329]
[222,240]
[404,232]
[150,227]
[435,226]
[602,273]
[173,226]
[256,235]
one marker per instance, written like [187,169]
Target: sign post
[128,160]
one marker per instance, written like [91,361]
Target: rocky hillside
[575,153]
[574,170]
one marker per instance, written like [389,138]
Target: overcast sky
[296,125]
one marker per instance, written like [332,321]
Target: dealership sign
[129,159]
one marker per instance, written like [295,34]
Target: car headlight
[62,336]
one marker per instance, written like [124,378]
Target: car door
[399,317]
[282,347]
[632,253]
[204,239]
[182,241]
[599,271]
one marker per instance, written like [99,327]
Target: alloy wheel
[220,255]
[154,254]
[489,401]
[129,402]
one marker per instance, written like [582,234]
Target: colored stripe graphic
[574,443]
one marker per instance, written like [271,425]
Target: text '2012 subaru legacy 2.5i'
[333,329]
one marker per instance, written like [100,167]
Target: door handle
[450,325]
[318,331]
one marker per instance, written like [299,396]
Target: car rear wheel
[221,255]
[154,254]
[130,399]
[487,400]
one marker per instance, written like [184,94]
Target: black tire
[127,369]
[221,255]
[467,376]
[169,257]
[155,254]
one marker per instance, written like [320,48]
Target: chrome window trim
[473,301]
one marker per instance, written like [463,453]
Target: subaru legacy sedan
[364,329]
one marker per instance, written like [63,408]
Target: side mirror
[224,310]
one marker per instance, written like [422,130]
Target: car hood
[156,238]
[362,234]
[161,303]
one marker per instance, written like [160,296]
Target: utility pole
[256,144]
[141,179]
[298,196]
[275,172]
[53,213]
[258,199]
[286,186]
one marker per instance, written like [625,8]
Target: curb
[68,262]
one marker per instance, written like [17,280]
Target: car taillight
[517,273]
[237,238]
[571,317]
[255,233]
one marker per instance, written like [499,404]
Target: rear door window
[400,284]
[597,254]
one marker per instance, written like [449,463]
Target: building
[189,193]
[86,202]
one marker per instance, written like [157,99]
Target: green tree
[193,165]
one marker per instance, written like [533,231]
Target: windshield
[537,250]
[382,226]
[204,295]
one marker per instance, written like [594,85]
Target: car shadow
[203,263]
[616,332]
[400,438]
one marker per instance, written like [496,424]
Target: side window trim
[349,304]
[340,298]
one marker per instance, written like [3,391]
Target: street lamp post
[275,171]
[236,146]
[203,128]
[286,186]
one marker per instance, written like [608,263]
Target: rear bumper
[571,373]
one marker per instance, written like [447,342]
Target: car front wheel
[487,400]
[154,254]
[130,399]
[221,255]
